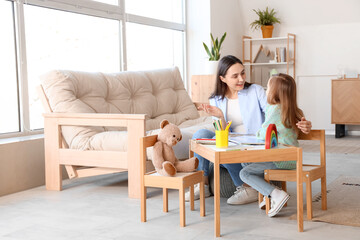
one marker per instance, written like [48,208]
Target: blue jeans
[233,168]
[253,175]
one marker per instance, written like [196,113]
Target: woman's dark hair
[224,64]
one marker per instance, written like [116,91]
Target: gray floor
[98,208]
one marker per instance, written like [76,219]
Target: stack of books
[281,54]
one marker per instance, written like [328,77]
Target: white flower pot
[211,67]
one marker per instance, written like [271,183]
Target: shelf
[259,68]
[266,39]
[263,64]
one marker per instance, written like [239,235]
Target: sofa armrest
[135,124]
[94,119]
[199,103]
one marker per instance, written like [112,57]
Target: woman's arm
[304,125]
[213,111]
[262,98]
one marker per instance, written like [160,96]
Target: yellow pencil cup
[222,138]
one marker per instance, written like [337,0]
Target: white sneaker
[197,192]
[278,199]
[262,205]
[243,195]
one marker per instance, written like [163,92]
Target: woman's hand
[304,125]
[212,110]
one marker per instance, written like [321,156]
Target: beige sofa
[95,120]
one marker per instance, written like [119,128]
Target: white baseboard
[330,132]
[347,133]
[352,133]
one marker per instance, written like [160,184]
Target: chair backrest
[316,135]
[145,142]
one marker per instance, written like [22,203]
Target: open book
[236,142]
[247,140]
[212,141]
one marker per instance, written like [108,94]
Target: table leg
[299,189]
[191,153]
[217,196]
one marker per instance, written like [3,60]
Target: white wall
[198,30]
[225,17]
[327,37]
[216,17]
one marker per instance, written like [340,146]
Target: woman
[244,104]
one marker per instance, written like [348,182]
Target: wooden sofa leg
[53,170]
[136,130]
[53,175]
[143,203]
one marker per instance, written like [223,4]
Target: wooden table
[218,157]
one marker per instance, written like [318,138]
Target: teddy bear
[164,160]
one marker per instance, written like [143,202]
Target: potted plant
[214,53]
[266,21]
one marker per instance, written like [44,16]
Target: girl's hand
[304,125]
[212,110]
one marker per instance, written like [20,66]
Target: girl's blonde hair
[282,90]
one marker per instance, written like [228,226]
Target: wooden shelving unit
[250,43]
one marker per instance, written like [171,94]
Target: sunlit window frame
[86,7]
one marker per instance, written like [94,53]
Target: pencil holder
[222,138]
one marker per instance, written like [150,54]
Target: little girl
[283,111]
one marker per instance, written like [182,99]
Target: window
[9,121]
[167,10]
[113,2]
[81,35]
[67,42]
[161,48]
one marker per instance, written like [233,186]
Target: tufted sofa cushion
[160,94]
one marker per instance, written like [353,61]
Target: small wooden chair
[180,181]
[310,174]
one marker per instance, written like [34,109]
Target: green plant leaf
[207,50]
[266,17]
[216,48]
[214,53]
[212,40]
[221,40]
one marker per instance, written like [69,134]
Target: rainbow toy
[271,137]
